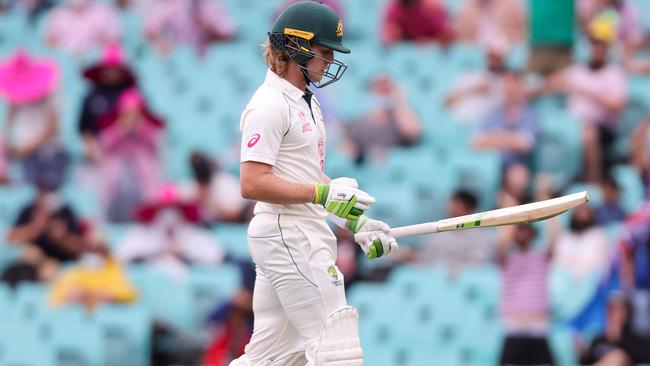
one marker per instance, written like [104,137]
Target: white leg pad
[339,343]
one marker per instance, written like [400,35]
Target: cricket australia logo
[331,270]
[339,29]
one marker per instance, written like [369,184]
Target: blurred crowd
[170,221]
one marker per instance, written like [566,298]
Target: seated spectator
[641,151]
[511,129]
[389,122]
[597,111]
[48,228]
[417,21]
[635,266]
[32,8]
[79,26]
[618,345]
[550,35]
[109,78]
[196,23]
[4,164]
[583,249]
[130,167]
[459,249]
[28,85]
[97,278]
[524,299]
[481,21]
[622,13]
[476,94]
[610,210]
[216,192]
[169,236]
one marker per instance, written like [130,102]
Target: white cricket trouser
[296,288]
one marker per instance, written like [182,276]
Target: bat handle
[413,230]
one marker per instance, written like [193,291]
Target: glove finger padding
[378,244]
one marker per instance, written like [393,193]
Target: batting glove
[343,198]
[372,236]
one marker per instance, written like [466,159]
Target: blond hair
[276,60]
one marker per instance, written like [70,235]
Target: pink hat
[168,197]
[113,56]
[24,79]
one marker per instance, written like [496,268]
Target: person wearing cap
[597,112]
[108,78]
[28,84]
[299,291]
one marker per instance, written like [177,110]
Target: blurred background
[122,228]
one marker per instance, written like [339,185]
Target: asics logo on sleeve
[254,139]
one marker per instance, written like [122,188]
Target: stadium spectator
[80,26]
[4,164]
[49,229]
[641,152]
[511,129]
[169,236]
[130,167]
[610,210]
[196,23]
[550,35]
[389,122]
[598,112]
[635,265]
[460,249]
[524,299]
[109,78]
[481,21]
[31,130]
[475,94]
[96,279]
[618,345]
[215,191]
[417,21]
[622,13]
[583,249]
[33,9]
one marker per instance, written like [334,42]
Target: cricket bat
[530,212]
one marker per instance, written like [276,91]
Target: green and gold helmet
[303,24]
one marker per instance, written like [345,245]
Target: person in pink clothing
[197,23]
[482,21]
[597,111]
[130,167]
[416,20]
[78,26]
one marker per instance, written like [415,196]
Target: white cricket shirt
[278,128]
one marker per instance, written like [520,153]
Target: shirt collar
[283,86]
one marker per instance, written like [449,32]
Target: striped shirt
[524,284]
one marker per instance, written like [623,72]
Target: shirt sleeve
[263,129]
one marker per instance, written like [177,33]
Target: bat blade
[530,212]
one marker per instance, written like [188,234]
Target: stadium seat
[76,342]
[631,187]
[234,240]
[126,330]
[559,146]
[21,344]
[210,287]
[30,300]
[154,289]
[12,199]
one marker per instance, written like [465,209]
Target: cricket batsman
[301,314]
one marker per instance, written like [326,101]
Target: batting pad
[339,343]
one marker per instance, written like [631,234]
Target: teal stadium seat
[74,337]
[31,299]
[126,331]
[12,199]
[211,286]
[559,146]
[21,344]
[233,238]
[631,187]
[168,299]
